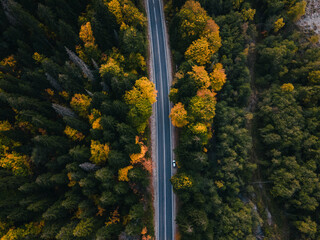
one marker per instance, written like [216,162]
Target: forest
[75,103]
[246,103]
[74,107]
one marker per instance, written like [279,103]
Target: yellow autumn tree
[5,126]
[81,103]
[123,173]
[90,50]
[278,24]
[112,67]
[178,115]
[199,128]
[217,77]
[86,34]
[202,106]
[287,87]
[73,134]
[24,232]
[211,33]
[248,14]
[181,181]
[17,163]
[200,76]
[132,16]
[99,152]
[96,124]
[193,19]
[140,99]
[115,8]
[199,51]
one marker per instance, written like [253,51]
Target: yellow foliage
[81,103]
[96,124]
[111,67]
[193,19]
[115,8]
[199,52]
[5,126]
[64,94]
[94,115]
[49,91]
[278,24]
[211,33]
[202,106]
[9,61]
[132,16]
[114,218]
[199,128]
[248,14]
[71,181]
[181,181]
[287,87]
[218,77]
[86,34]
[99,152]
[142,90]
[297,11]
[219,184]
[178,115]
[17,163]
[38,57]
[200,76]
[123,173]
[73,134]
[29,229]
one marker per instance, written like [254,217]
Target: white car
[174,163]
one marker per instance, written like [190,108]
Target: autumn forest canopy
[75,103]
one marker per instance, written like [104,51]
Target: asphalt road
[160,64]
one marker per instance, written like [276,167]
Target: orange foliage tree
[114,218]
[86,34]
[200,76]
[178,115]
[199,51]
[217,77]
[90,48]
[123,173]
[99,152]
[139,157]
[211,33]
